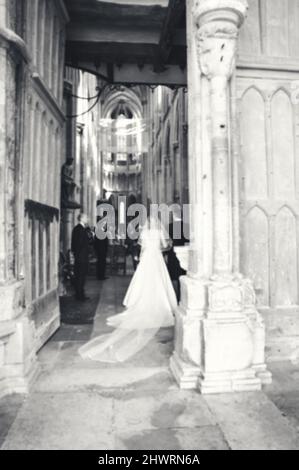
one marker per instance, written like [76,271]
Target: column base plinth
[219,346]
[263,373]
[16,378]
[186,375]
[225,382]
[18,362]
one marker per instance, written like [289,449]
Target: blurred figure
[176,234]
[80,248]
[101,247]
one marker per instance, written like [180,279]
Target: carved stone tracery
[216,52]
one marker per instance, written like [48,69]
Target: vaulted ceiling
[128,41]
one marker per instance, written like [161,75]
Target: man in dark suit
[176,234]
[101,248]
[80,248]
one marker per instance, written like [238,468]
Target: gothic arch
[127,95]
[287,208]
[257,89]
[259,208]
[281,89]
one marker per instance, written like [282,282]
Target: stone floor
[81,404]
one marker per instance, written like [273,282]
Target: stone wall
[267,132]
[43,147]
[270,31]
[32,62]
[16,357]
[81,149]
[167,168]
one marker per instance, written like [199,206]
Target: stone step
[92,376]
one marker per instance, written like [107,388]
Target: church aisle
[81,404]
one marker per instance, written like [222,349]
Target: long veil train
[150,302]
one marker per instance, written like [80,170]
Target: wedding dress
[150,302]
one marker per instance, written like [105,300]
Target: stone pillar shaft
[220,161]
[220,339]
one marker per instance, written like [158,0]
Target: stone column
[18,363]
[220,336]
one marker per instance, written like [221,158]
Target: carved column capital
[217,24]
[221,8]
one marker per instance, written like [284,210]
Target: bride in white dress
[150,303]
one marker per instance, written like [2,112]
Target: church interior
[186,102]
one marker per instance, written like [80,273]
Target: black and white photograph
[149,228]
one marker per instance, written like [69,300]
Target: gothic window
[42,220]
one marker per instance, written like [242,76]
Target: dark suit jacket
[100,246]
[173,264]
[80,244]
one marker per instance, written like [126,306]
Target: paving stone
[288,404]
[81,375]
[49,353]
[285,377]
[284,390]
[163,410]
[68,352]
[81,333]
[204,438]
[9,407]
[251,421]
[64,333]
[62,421]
